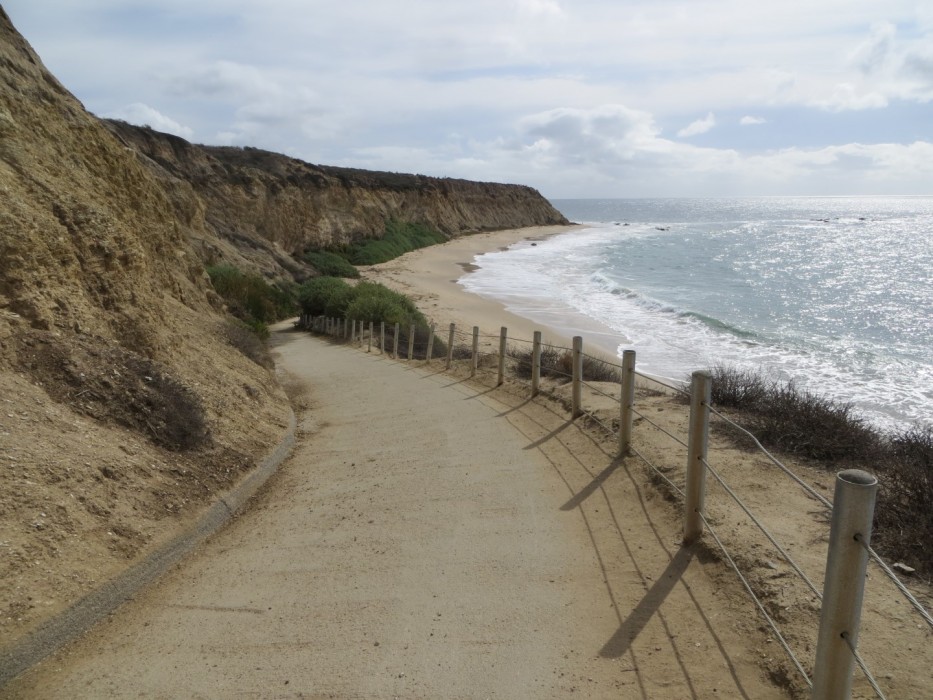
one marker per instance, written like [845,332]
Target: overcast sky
[578,98]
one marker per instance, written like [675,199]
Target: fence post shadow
[593,486]
[650,603]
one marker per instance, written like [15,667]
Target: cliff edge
[262,210]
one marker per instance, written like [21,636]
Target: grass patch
[398,238]
[331,264]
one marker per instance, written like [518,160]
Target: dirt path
[428,539]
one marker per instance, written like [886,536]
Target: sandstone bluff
[127,403]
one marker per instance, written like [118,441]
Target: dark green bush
[315,295]
[374,302]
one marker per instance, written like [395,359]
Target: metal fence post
[450,345]
[626,401]
[369,344]
[697,445]
[411,341]
[430,353]
[844,585]
[475,357]
[536,363]
[503,338]
[577,374]
[382,337]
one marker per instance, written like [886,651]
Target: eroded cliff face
[125,403]
[128,399]
[264,209]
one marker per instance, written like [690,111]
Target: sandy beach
[430,277]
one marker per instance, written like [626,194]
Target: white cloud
[700,126]
[142,114]
[846,96]
[530,85]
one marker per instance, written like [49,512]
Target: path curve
[427,539]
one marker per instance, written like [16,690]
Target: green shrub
[319,293]
[331,264]
[374,302]
[249,297]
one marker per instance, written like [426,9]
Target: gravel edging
[87,612]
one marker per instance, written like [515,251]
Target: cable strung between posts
[651,422]
[599,391]
[761,607]
[806,487]
[659,472]
[660,383]
[603,361]
[861,664]
[897,582]
[767,534]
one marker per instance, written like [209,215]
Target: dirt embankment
[123,406]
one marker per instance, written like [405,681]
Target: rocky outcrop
[264,209]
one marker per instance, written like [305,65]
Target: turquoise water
[834,293]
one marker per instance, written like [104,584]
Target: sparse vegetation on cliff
[803,423]
[399,238]
[250,298]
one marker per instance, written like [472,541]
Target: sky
[577,98]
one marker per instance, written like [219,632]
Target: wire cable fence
[526,359]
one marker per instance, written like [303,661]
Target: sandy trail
[428,539]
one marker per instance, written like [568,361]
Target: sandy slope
[428,539]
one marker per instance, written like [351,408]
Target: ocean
[835,294]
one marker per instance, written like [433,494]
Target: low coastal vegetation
[829,432]
[252,299]
[369,302]
[399,238]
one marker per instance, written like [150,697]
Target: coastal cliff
[130,398]
[262,210]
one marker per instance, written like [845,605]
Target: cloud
[846,96]
[700,126]
[749,120]
[142,114]
[873,54]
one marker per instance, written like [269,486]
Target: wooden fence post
[698,442]
[577,360]
[430,352]
[411,341]
[503,339]
[450,345]
[626,401]
[395,342]
[475,357]
[844,585]
[536,364]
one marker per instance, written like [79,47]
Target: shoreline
[431,277]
